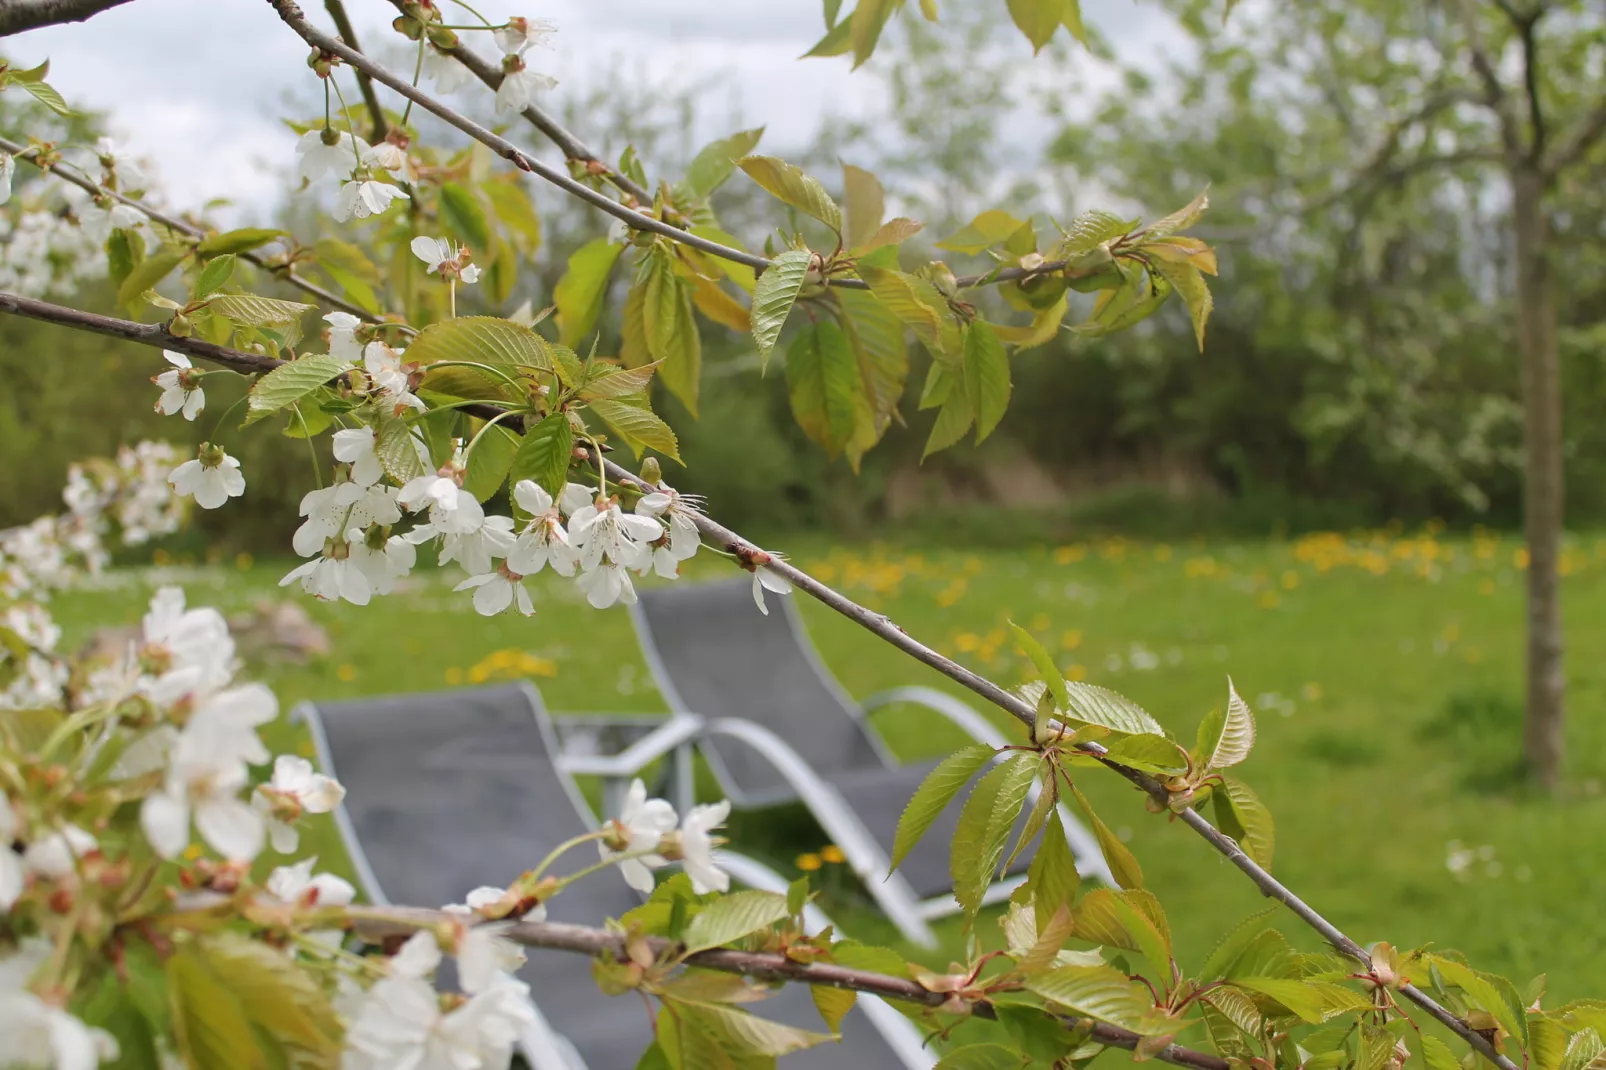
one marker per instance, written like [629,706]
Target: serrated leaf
[1181,219]
[727,920]
[866,203]
[715,304]
[1090,230]
[892,232]
[877,338]
[1547,1043]
[687,1044]
[1299,997]
[953,420]
[1037,19]
[1046,669]
[254,311]
[289,383]
[916,303]
[1236,737]
[489,461]
[1259,835]
[836,42]
[1092,704]
[1051,936]
[1042,806]
[1481,990]
[1584,1051]
[639,427]
[789,184]
[934,794]
[1435,1053]
[822,383]
[712,166]
[1233,945]
[276,994]
[986,377]
[484,340]
[1100,992]
[984,826]
[397,449]
[463,216]
[868,20]
[209,1024]
[581,292]
[148,272]
[618,383]
[670,329]
[992,227]
[1238,1008]
[980,1057]
[237,241]
[833,1005]
[774,295]
[1187,281]
[740,1033]
[48,97]
[215,275]
[1150,753]
[1123,865]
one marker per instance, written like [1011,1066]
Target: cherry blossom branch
[19,15]
[293,17]
[69,173]
[751,556]
[365,85]
[384,922]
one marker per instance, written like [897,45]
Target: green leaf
[275,993]
[1181,219]
[217,272]
[489,461]
[714,165]
[1481,990]
[1259,835]
[1232,946]
[1547,1043]
[687,1044]
[150,271]
[868,20]
[209,1023]
[775,294]
[877,338]
[836,42]
[792,186]
[1189,281]
[989,816]
[671,330]
[833,1005]
[1052,876]
[822,381]
[740,1033]
[1435,1053]
[1236,737]
[1091,230]
[1037,19]
[48,97]
[1042,806]
[514,210]
[654,1058]
[484,340]
[738,914]
[1037,1037]
[980,1057]
[397,450]
[638,427]
[124,249]
[916,303]
[1584,1051]
[254,311]
[1123,866]
[866,203]
[953,420]
[992,227]
[113,1009]
[463,215]
[986,377]
[934,794]
[1299,997]
[584,287]
[618,383]
[1092,704]
[237,241]
[289,383]
[1100,992]
[1046,669]
[1152,754]
[892,232]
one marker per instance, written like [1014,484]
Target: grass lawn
[1385,670]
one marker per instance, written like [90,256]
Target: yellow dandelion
[1267,600]
[1290,580]
[1071,639]
[243,561]
[1473,656]
[965,642]
[1311,692]
[347,673]
[833,854]
[808,863]
[540,667]
[1076,673]
[454,675]
[1519,558]
[1041,623]
[1486,586]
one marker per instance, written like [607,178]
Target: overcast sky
[198,85]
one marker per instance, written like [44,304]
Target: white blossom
[319,158]
[355,446]
[206,771]
[332,576]
[683,540]
[384,367]
[391,560]
[442,257]
[543,540]
[363,197]
[520,34]
[7,165]
[447,74]
[605,585]
[477,547]
[12,877]
[765,580]
[606,531]
[120,165]
[343,336]
[483,953]
[177,396]
[495,591]
[520,86]
[697,847]
[295,789]
[37,1034]
[99,221]
[56,857]
[642,823]
[391,157]
[211,479]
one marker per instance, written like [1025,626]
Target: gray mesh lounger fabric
[453,790]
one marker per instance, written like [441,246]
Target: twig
[296,20]
[879,624]
[1494,91]
[71,174]
[1527,31]
[19,15]
[1581,140]
[382,922]
[365,85]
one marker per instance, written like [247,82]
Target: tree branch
[296,20]
[1494,92]
[1579,142]
[1527,32]
[380,923]
[19,15]
[365,85]
[750,555]
[71,174]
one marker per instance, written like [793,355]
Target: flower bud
[1032,261]
[408,27]
[209,455]
[442,38]
[180,326]
[651,472]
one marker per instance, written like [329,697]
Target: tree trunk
[1542,482]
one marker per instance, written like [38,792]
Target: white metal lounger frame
[864,855]
[543,1047]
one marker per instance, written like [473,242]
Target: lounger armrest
[973,723]
[672,733]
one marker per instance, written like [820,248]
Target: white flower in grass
[212,478]
[765,580]
[384,366]
[333,576]
[355,446]
[56,857]
[605,585]
[697,847]
[296,788]
[37,1034]
[543,540]
[181,388]
[343,336]
[12,877]
[363,197]
[607,531]
[520,34]
[204,780]
[445,259]
[641,824]
[495,592]
[476,548]
[520,85]
[384,560]
[325,151]
[447,74]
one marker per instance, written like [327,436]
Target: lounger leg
[685,778]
